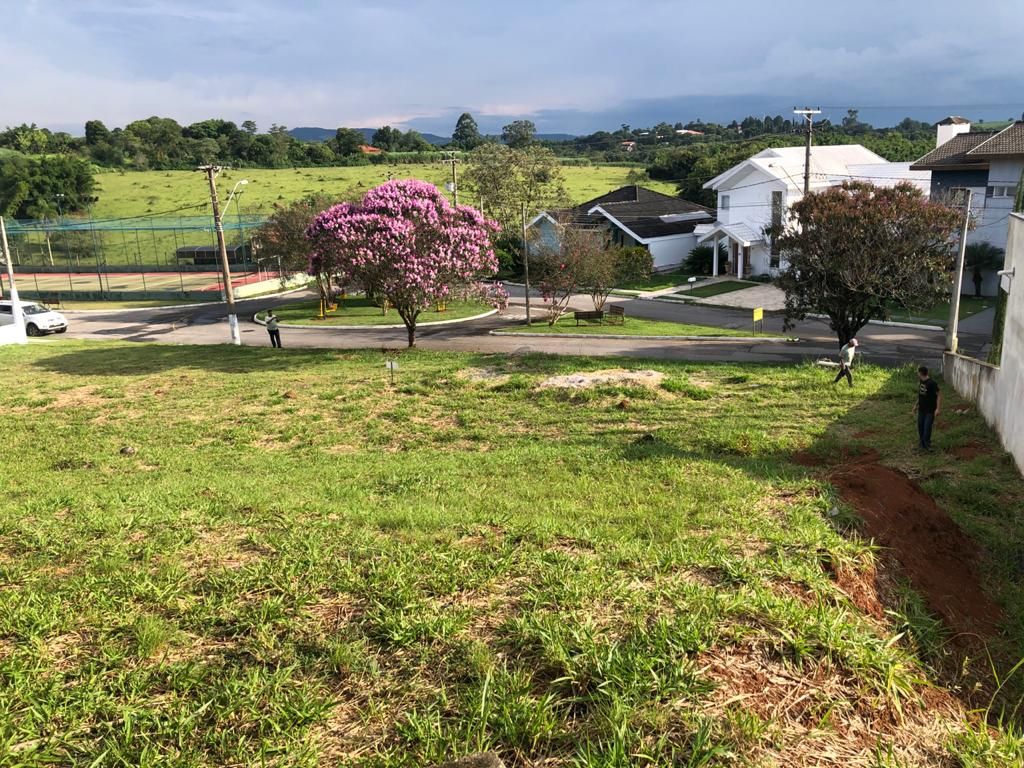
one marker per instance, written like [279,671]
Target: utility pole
[958,277]
[808,114]
[211,172]
[453,185]
[526,268]
[18,335]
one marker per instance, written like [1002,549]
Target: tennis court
[133,282]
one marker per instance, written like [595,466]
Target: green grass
[715,289]
[656,282]
[244,556]
[634,326]
[939,314]
[135,193]
[359,311]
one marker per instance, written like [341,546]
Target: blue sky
[570,66]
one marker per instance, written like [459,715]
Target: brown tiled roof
[953,155]
[954,120]
[1009,141]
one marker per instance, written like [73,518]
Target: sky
[570,66]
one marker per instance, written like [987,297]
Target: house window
[777,206]
[723,202]
[1001,190]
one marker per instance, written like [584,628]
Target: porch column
[714,257]
[741,255]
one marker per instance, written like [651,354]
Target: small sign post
[758,318]
[691,281]
[392,366]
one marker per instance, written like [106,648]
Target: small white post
[741,251]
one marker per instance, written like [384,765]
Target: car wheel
[32,330]
[61,330]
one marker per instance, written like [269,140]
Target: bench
[593,315]
[51,300]
[616,315]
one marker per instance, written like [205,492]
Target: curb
[433,324]
[186,306]
[894,324]
[621,336]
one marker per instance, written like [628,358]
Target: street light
[211,172]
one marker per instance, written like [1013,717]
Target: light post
[211,172]
[17,335]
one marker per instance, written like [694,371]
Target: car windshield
[34,309]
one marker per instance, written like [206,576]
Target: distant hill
[323,134]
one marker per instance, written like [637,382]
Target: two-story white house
[990,164]
[755,195]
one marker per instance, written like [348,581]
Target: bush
[699,262]
[633,264]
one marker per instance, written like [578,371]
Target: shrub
[633,264]
[699,262]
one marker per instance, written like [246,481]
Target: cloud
[367,62]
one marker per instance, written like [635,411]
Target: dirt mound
[939,559]
[971,451]
[599,378]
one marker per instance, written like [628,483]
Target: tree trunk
[409,318]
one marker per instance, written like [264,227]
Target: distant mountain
[323,134]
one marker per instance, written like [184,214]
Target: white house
[633,216]
[989,163]
[755,195]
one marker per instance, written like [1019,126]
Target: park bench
[591,316]
[51,300]
[616,315]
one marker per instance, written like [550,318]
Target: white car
[38,318]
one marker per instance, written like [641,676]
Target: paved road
[885,345]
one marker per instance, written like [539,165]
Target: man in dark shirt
[928,401]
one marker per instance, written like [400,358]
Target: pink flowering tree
[407,245]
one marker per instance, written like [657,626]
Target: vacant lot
[221,556]
[135,193]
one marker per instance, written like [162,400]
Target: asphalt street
[881,344]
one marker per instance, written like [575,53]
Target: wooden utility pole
[808,114]
[453,161]
[958,277]
[18,334]
[526,268]
[211,172]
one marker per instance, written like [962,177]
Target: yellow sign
[758,313]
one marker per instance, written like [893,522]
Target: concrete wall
[670,252]
[999,391]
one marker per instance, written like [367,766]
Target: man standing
[273,329]
[928,401]
[845,361]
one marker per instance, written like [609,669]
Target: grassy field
[634,326]
[240,556]
[136,193]
[657,281]
[359,311]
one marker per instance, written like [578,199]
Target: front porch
[736,240]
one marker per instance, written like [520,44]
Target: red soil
[938,558]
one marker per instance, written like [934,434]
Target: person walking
[929,400]
[845,361]
[273,329]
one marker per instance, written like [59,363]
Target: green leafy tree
[505,179]
[855,250]
[387,138]
[466,135]
[347,142]
[30,185]
[249,127]
[413,141]
[283,235]
[519,134]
